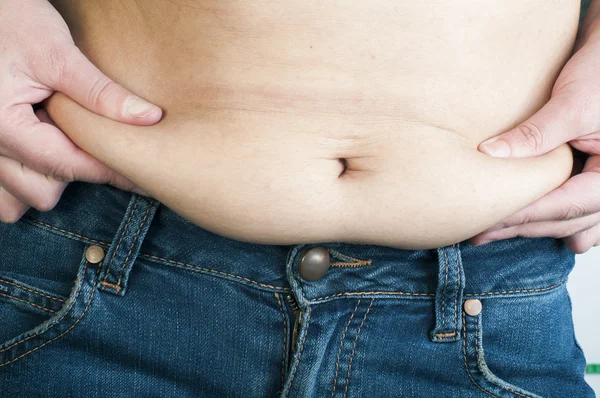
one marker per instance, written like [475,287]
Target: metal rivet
[314,264]
[94,254]
[473,307]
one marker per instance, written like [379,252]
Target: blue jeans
[114,295]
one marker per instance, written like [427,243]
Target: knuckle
[101,89]
[532,136]
[526,217]
[45,202]
[570,230]
[572,211]
[62,172]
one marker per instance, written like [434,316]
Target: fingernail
[137,107]
[496,148]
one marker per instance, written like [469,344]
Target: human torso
[263,100]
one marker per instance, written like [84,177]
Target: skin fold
[284,124]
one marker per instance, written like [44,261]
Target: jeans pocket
[46,287]
[476,365]
[520,343]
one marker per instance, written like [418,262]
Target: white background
[584,287]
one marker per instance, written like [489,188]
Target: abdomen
[297,121]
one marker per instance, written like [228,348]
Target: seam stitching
[337,363]
[284,339]
[486,372]
[543,289]
[465,358]
[354,347]
[114,253]
[301,349]
[67,311]
[111,285]
[285,289]
[35,220]
[31,291]
[132,245]
[457,291]
[444,292]
[359,263]
[60,335]
[27,302]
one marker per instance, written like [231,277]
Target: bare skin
[288,124]
[37,57]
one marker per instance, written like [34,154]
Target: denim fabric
[585,4]
[176,311]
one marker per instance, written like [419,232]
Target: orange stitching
[60,335]
[35,220]
[457,290]
[111,285]
[465,358]
[120,239]
[31,291]
[32,219]
[284,339]
[285,289]
[337,363]
[60,319]
[342,255]
[444,292]
[444,335]
[357,264]
[26,302]
[519,291]
[354,347]
[133,244]
[376,293]
[297,364]
[486,371]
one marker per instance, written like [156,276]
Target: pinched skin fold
[423,192]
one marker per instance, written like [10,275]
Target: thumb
[87,85]
[547,129]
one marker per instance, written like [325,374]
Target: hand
[37,57]
[572,211]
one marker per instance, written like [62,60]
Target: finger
[589,143]
[87,85]
[29,186]
[577,197]
[108,176]
[553,229]
[555,124]
[11,208]
[114,152]
[583,241]
[49,152]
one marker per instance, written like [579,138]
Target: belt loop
[449,295]
[126,244]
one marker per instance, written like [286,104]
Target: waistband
[95,213]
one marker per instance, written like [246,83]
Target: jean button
[94,254]
[314,264]
[473,307]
